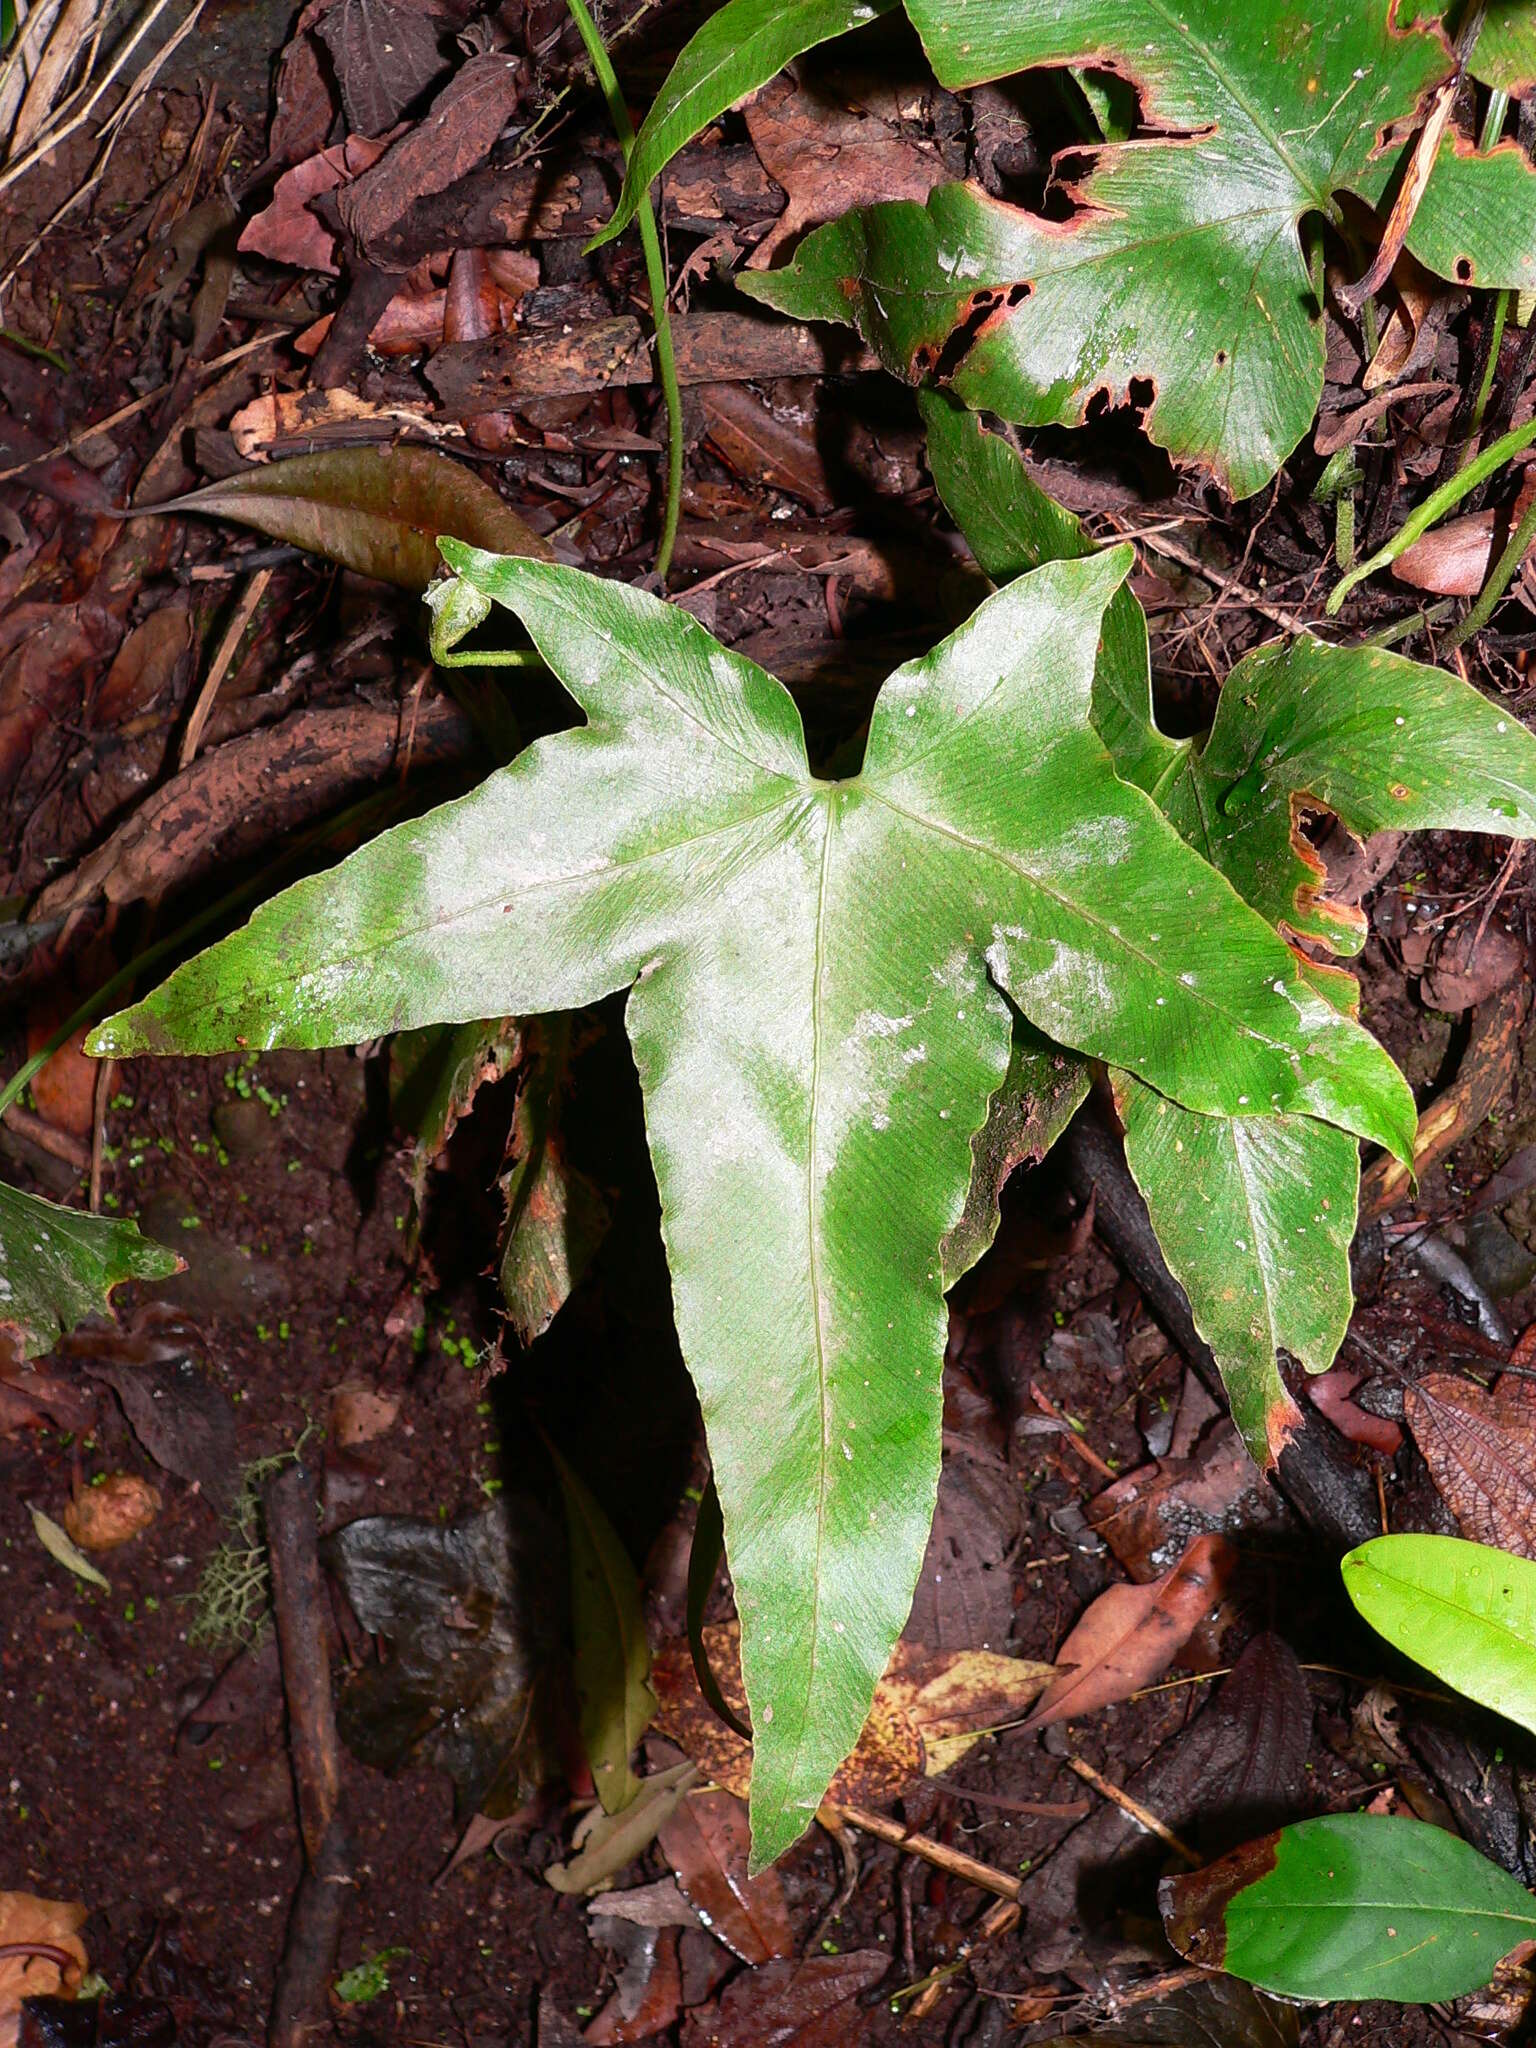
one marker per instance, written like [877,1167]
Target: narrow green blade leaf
[738,48]
[376,510]
[1254,1216]
[815,1032]
[58,1266]
[1463,1610]
[1382,742]
[1354,1905]
[612,1661]
[1011,525]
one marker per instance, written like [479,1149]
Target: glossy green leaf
[1505,52]
[376,510]
[737,49]
[1353,1905]
[1476,221]
[611,1664]
[1011,525]
[1463,1610]
[58,1266]
[815,1031]
[1382,742]
[1180,277]
[1254,1216]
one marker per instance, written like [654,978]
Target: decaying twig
[299,1608]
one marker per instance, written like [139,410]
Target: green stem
[1501,305]
[1435,507]
[656,278]
[1404,629]
[259,885]
[1500,577]
[1493,120]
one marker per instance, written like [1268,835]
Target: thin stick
[1143,1816]
[1089,1457]
[656,279]
[220,666]
[1288,621]
[46,144]
[47,1137]
[106,1074]
[954,1861]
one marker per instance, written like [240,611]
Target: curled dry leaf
[648,1998]
[1330,1394]
[1480,1446]
[51,1929]
[120,1507]
[813,2003]
[1131,1634]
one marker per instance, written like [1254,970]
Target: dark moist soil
[166,1807]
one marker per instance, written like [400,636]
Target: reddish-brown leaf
[649,1996]
[449,140]
[809,2004]
[707,1840]
[286,229]
[1131,1634]
[1330,1394]
[1480,1446]
[386,56]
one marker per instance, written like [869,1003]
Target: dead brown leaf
[359,1414]
[144,667]
[1130,1635]
[829,159]
[929,1709]
[1473,962]
[453,135]
[808,2004]
[1330,1395]
[386,55]
[50,1930]
[112,1512]
[649,1996]
[64,1089]
[1480,1446]
[765,445]
[1453,559]
[707,1841]
[285,229]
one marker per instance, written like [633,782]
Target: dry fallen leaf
[1480,1446]
[1453,559]
[41,1954]
[359,1414]
[706,1839]
[112,1512]
[285,229]
[929,1709]
[829,160]
[1129,1636]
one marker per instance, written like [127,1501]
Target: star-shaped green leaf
[1180,277]
[815,971]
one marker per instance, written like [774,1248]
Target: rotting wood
[472,377]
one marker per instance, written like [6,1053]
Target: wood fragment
[1143,1816]
[954,1861]
[219,667]
[472,377]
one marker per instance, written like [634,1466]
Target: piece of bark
[702,190]
[242,795]
[487,376]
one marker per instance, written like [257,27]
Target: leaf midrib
[1015,866]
